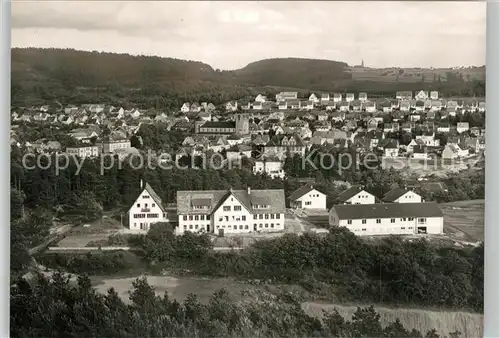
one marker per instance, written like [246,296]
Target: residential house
[452,151]
[260,98]
[388,218]
[443,129]
[218,128]
[272,166]
[462,127]
[413,144]
[404,106]
[408,127]
[481,107]
[230,211]
[420,106]
[429,139]
[293,104]
[232,106]
[282,145]
[349,97]
[420,153]
[283,96]
[313,98]
[325,98]
[83,135]
[427,104]
[283,105]
[307,197]
[404,95]
[112,144]
[421,95]
[363,97]
[238,152]
[258,105]
[344,106]
[372,124]
[322,116]
[306,105]
[331,106]
[146,210]
[391,148]
[395,104]
[355,195]
[434,95]
[83,151]
[391,127]
[436,105]
[400,195]
[370,106]
[337,97]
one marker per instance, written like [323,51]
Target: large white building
[83,151]
[272,166]
[231,211]
[307,197]
[146,210]
[355,195]
[388,218]
[400,195]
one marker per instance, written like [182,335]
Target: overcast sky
[229,35]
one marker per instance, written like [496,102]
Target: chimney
[142,185]
[249,190]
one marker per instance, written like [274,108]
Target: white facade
[112,146]
[273,169]
[312,200]
[144,212]
[349,97]
[83,152]
[313,98]
[361,197]
[409,197]
[388,226]
[232,217]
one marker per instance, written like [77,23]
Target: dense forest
[40,76]
[59,308]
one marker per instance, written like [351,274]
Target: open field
[470,324]
[464,220]
[413,75]
[99,230]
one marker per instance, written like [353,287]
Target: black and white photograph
[247,169]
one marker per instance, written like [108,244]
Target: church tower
[242,124]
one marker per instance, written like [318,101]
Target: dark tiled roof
[394,194]
[275,198]
[219,124]
[351,192]
[388,210]
[300,192]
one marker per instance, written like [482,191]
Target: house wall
[388,226]
[361,198]
[230,219]
[313,200]
[111,147]
[409,197]
[145,212]
[273,169]
[195,223]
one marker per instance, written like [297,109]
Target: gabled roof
[301,192]
[214,198]
[388,210]
[394,194]
[349,193]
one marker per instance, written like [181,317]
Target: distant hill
[300,73]
[66,75]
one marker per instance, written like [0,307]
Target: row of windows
[196,227]
[146,205]
[267,216]
[364,229]
[307,203]
[235,208]
[234,218]
[393,220]
[197,217]
[146,215]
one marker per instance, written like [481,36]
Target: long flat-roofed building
[231,211]
[388,218]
